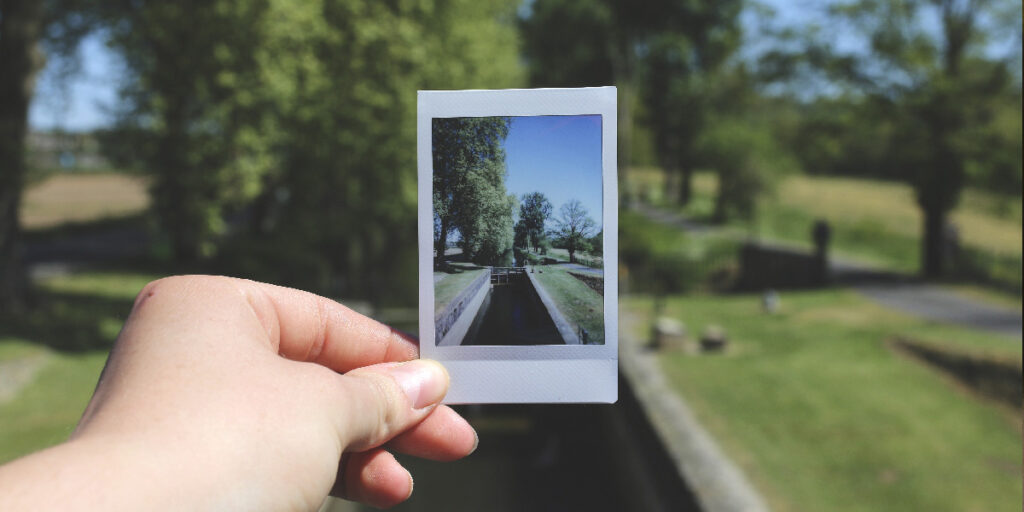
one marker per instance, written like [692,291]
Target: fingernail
[476,442]
[425,382]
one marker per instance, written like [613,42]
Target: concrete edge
[458,330]
[716,481]
[465,295]
[564,327]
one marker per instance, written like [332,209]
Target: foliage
[574,227]
[296,119]
[469,193]
[660,259]
[596,42]
[747,162]
[534,210]
[683,73]
[192,89]
[31,31]
[596,243]
[937,89]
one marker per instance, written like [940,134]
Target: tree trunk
[685,185]
[441,243]
[625,120]
[20,28]
[933,260]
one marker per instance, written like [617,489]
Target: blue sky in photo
[558,156]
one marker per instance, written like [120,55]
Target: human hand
[223,393]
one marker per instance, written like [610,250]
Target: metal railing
[502,275]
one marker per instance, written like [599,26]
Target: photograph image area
[518,235]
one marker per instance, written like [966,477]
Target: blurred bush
[663,260]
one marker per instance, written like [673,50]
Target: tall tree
[937,83]
[534,210]
[575,227]
[26,26]
[469,192]
[21,25]
[193,85]
[600,42]
[682,84]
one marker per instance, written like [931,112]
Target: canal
[513,314]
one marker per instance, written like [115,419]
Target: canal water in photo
[513,314]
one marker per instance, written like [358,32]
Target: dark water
[512,314]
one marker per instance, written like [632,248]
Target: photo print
[517,223]
[517,258]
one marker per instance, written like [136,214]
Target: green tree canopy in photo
[533,212]
[469,193]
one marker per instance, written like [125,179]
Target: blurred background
[820,223]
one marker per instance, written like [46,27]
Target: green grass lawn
[449,287]
[873,221]
[579,304]
[68,337]
[824,416]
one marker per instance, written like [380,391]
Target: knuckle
[385,407]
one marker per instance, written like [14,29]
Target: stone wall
[445,319]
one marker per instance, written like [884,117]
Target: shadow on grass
[68,321]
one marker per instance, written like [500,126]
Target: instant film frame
[532,373]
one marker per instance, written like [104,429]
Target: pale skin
[226,394]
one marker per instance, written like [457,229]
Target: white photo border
[535,373]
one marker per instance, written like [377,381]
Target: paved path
[898,291]
[576,267]
[935,303]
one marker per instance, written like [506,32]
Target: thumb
[384,400]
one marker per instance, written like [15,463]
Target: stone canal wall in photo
[447,317]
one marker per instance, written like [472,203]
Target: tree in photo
[533,212]
[575,227]
[469,193]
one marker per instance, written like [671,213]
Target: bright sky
[558,156]
[82,101]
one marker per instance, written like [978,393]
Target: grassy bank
[580,305]
[452,283]
[824,416]
[65,341]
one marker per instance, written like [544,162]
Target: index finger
[306,327]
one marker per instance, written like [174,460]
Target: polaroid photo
[518,223]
